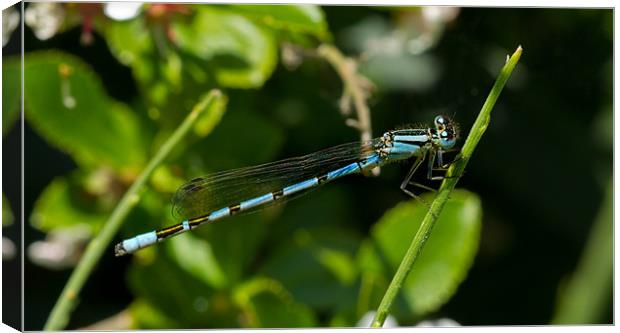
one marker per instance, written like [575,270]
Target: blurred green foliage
[213,274]
[308,263]
[11,79]
[60,93]
[588,290]
[63,204]
[7,214]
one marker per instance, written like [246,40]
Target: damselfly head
[447,131]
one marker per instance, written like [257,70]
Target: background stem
[356,87]
[59,317]
[356,91]
[585,295]
[454,173]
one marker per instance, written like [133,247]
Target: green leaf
[217,255]
[202,262]
[130,41]
[146,316]
[446,258]
[169,77]
[7,213]
[317,266]
[233,244]
[68,106]
[266,303]
[11,92]
[132,44]
[63,204]
[171,291]
[238,52]
[301,19]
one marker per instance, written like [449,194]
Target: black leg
[443,167]
[440,157]
[422,186]
[413,169]
[431,161]
[407,181]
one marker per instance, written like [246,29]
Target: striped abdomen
[280,195]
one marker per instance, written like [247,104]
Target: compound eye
[440,120]
[447,139]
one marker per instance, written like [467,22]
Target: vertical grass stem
[67,301]
[453,175]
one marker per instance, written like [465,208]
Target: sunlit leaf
[239,53]
[201,261]
[446,258]
[11,92]
[67,105]
[266,303]
[307,19]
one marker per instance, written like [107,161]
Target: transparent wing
[203,195]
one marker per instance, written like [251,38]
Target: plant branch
[449,183]
[356,90]
[59,317]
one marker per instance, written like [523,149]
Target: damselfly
[207,199]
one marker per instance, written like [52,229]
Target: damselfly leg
[407,180]
[444,167]
[432,155]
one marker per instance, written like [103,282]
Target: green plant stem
[59,317]
[356,90]
[355,86]
[452,177]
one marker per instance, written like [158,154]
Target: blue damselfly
[219,195]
